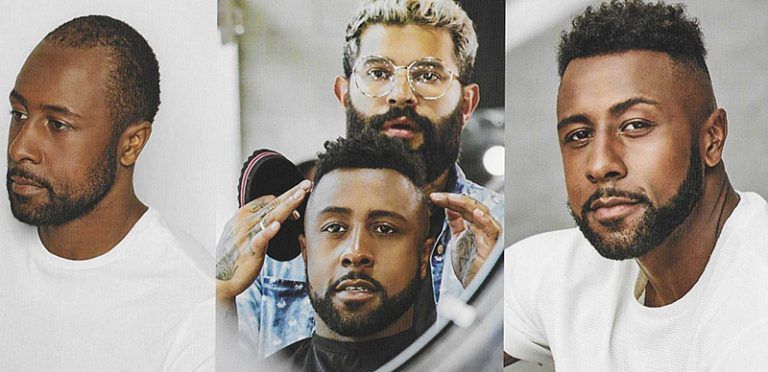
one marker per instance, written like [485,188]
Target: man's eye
[57,125]
[427,77]
[18,115]
[636,125]
[384,229]
[378,74]
[578,135]
[333,228]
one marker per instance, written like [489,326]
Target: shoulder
[165,243]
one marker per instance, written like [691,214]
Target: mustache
[359,276]
[20,172]
[604,192]
[377,121]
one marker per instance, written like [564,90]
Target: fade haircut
[621,26]
[133,80]
[441,14]
[370,150]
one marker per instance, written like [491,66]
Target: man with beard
[96,281]
[433,43]
[366,249]
[664,273]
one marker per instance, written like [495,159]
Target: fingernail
[306,184]
[437,196]
[478,212]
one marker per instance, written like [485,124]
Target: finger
[458,203]
[455,222]
[304,186]
[485,222]
[295,215]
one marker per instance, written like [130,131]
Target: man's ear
[714,133]
[132,141]
[470,94]
[425,255]
[341,90]
[303,245]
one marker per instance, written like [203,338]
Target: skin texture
[64,149]
[629,121]
[402,45]
[367,221]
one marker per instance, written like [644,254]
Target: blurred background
[287,56]
[735,35]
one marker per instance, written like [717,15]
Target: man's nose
[605,161]
[357,252]
[24,142]
[401,94]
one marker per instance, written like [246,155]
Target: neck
[404,323]
[97,231]
[674,267]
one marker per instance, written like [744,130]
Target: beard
[66,202]
[344,320]
[442,139]
[656,224]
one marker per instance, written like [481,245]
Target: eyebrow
[18,97]
[615,110]
[63,110]
[376,213]
[620,107]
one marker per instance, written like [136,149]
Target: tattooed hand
[243,244]
[474,230]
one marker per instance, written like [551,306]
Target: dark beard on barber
[345,321]
[64,203]
[656,224]
[442,140]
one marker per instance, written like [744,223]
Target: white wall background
[176,172]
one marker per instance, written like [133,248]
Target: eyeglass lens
[428,78]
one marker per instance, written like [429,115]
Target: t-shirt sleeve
[523,336]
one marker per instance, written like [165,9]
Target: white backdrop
[177,172]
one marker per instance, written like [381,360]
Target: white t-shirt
[145,305]
[565,303]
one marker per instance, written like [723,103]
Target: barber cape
[567,305]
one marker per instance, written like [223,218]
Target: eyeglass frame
[407,75]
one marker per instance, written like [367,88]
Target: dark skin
[402,45]
[628,121]
[61,128]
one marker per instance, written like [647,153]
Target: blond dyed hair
[441,14]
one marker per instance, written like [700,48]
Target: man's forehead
[365,189]
[64,76]
[605,80]
[405,43]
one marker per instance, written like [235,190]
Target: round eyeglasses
[428,77]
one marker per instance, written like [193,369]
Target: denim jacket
[275,311]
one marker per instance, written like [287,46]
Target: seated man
[366,250]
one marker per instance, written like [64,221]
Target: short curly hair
[441,14]
[620,26]
[370,150]
[133,87]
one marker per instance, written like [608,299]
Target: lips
[355,285]
[401,127]
[25,186]
[611,208]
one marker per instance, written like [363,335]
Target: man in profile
[426,105]
[666,269]
[97,280]
[366,248]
